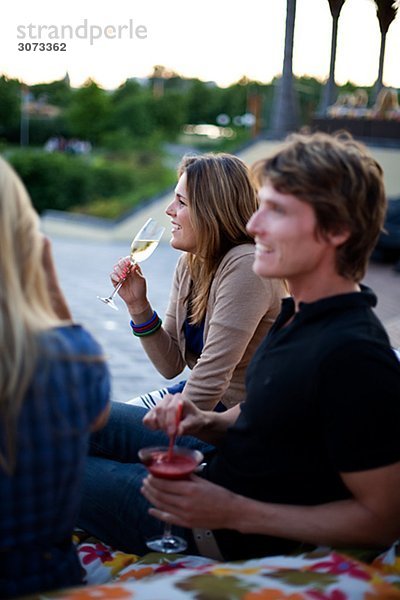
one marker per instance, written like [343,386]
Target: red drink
[174,462]
[178,466]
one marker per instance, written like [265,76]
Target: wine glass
[143,245]
[178,466]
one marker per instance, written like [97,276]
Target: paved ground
[386,283]
[84,267]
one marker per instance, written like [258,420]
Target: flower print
[136,573]
[98,592]
[95,552]
[118,561]
[272,594]
[170,567]
[331,595]
[383,591]
[338,564]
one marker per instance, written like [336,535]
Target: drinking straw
[172,438]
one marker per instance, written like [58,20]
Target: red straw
[172,438]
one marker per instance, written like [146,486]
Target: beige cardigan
[240,310]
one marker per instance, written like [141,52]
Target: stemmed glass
[142,246]
[178,465]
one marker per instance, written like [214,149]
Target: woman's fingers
[121,270]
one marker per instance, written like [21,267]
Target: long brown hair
[221,198]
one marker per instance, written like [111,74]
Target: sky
[218,40]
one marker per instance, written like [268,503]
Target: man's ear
[339,237]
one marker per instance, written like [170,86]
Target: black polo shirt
[323,397]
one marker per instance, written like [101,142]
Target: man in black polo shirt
[313,454]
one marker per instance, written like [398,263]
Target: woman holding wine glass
[218,313]
[219,310]
[54,389]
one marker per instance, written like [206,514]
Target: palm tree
[158,77]
[386,11]
[285,107]
[329,92]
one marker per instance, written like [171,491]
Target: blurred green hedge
[61,181]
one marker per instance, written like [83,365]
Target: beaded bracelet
[147,328]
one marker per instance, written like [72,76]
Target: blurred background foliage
[134,136]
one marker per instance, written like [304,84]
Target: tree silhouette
[329,91]
[10,107]
[386,11]
[285,108]
[89,112]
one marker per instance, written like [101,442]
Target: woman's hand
[193,502]
[163,416]
[134,289]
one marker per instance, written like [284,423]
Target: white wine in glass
[143,246]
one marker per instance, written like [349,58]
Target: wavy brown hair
[342,182]
[221,198]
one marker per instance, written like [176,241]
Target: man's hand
[163,416]
[208,426]
[190,503]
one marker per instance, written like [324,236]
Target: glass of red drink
[178,465]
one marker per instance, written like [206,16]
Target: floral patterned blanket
[321,575]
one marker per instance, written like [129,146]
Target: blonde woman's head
[386,102]
[25,306]
[21,270]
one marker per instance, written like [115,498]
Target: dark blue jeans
[113,508]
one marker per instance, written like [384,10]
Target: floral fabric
[321,575]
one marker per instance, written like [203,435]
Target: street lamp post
[24,121]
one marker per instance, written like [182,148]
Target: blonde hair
[386,102]
[25,306]
[221,198]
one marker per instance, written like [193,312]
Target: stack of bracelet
[147,328]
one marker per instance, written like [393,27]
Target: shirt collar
[364,298]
